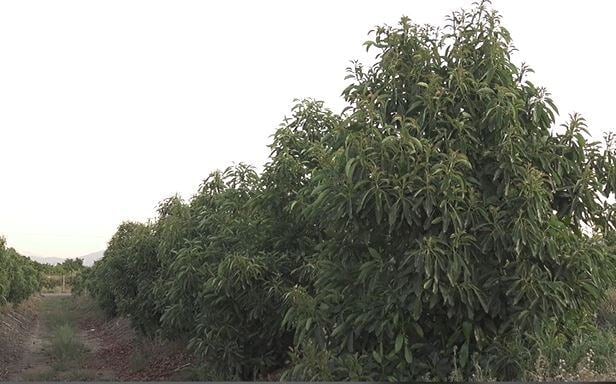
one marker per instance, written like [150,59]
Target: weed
[66,348]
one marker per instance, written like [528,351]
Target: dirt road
[56,349]
[57,337]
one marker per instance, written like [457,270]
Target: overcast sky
[107,107]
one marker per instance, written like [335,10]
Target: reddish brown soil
[131,357]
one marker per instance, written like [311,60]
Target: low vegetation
[63,355]
[60,315]
[440,227]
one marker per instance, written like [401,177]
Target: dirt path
[57,349]
[57,337]
[34,359]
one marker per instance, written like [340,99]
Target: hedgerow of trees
[65,274]
[441,218]
[19,276]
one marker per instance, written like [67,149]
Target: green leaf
[399,342]
[408,356]
[377,357]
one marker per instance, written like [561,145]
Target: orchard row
[430,229]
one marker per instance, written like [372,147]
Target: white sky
[107,107]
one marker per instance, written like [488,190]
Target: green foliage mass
[438,218]
[216,270]
[67,273]
[20,277]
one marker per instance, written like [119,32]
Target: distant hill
[47,260]
[88,260]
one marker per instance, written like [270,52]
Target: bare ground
[17,328]
[135,358]
[109,349]
[34,359]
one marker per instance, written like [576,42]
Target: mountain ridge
[88,259]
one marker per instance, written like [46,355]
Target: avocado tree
[20,277]
[455,215]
